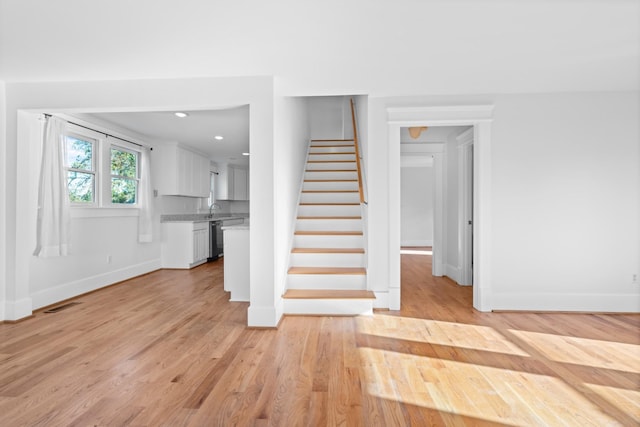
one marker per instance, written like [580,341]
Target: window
[102,172]
[212,188]
[124,176]
[80,165]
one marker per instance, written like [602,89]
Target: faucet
[213,207]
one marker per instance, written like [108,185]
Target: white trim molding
[602,303]
[440,116]
[88,284]
[16,310]
[480,117]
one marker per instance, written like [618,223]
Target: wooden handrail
[355,142]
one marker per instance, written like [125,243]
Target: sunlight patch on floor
[485,393]
[596,353]
[626,400]
[482,338]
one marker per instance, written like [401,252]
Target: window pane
[79,153]
[80,187]
[123,190]
[123,163]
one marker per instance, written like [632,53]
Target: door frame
[480,117]
[465,207]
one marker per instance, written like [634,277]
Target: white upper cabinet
[181,172]
[232,183]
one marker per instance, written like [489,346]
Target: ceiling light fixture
[218,137]
[246,154]
[181,114]
[416,131]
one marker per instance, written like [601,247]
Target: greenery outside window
[124,176]
[81,171]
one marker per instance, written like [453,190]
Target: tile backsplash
[170,205]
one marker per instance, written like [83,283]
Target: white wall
[564,199]
[144,95]
[104,243]
[416,210]
[3,199]
[291,142]
[326,114]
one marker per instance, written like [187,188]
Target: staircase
[328,265]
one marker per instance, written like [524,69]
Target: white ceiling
[197,130]
[432,135]
[331,47]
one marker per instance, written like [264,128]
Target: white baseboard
[416,243]
[607,303]
[452,272]
[16,310]
[382,300]
[72,289]
[263,317]
[394,298]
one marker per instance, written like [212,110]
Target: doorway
[479,117]
[443,152]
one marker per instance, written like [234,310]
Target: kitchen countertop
[202,217]
[236,227]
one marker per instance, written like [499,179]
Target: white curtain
[145,199]
[53,199]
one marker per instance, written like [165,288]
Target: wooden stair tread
[331,146]
[328,294]
[357,271]
[331,140]
[331,161]
[330,217]
[331,170]
[328,204]
[327,233]
[327,250]
[333,154]
[330,180]
[330,191]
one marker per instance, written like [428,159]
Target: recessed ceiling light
[181,114]
[218,137]
[246,154]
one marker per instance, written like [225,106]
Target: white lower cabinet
[184,244]
[236,263]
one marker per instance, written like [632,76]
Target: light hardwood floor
[169,349]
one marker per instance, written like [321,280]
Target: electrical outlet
[108,259]
[634,279]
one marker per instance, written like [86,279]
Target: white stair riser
[331,157]
[329,210]
[331,175]
[327,307]
[327,281]
[330,198]
[329,224]
[328,241]
[327,260]
[350,166]
[332,185]
[337,150]
[331,143]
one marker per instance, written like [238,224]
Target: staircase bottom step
[328,302]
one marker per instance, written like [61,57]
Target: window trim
[95,156]
[124,147]
[102,205]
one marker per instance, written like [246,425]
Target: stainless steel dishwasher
[216,242]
